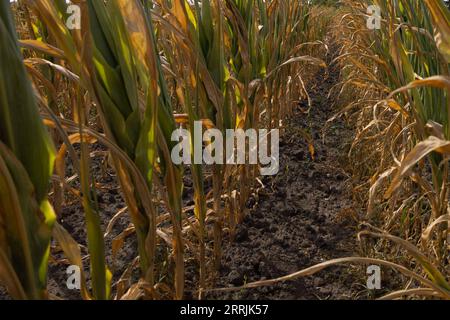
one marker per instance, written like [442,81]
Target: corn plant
[401,72]
[26,164]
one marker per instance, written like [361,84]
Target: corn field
[347,102]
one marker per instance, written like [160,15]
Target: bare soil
[303,216]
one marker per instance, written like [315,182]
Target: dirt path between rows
[301,217]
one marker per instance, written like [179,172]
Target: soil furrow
[302,215]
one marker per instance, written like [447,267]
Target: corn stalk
[26,164]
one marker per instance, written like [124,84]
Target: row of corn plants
[400,73]
[135,71]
